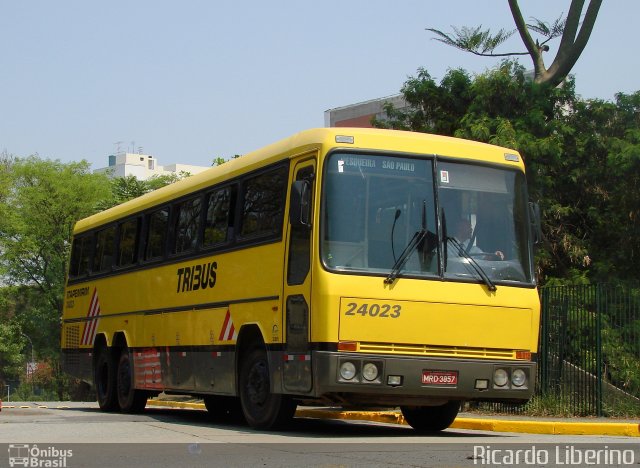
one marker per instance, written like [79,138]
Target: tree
[37,215]
[39,206]
[574,37]
[11,343]
[220,160]
[127,188]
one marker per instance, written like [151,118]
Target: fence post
[562,338]
[599,311]
[543,358]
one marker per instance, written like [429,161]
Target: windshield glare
[374,205]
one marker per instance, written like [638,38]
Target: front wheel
[431,418]
[130,400]
[262,409]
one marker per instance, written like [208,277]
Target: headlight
[500,377]
[347,370]
[370,371]
[518,378]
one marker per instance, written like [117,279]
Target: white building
[144,166]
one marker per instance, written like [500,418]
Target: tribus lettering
[195,277]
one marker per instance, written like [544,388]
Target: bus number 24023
[373,310]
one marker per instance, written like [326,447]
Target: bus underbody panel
[399,380]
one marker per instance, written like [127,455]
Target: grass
[561,406]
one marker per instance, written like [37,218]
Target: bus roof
[320,139]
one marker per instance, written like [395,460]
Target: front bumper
[474,379]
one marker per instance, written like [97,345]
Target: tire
[431,418]
[130,400]
[262,409]
[105,380]
[224,408]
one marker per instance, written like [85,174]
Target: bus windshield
[399,216]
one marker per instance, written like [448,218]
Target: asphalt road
[80,435]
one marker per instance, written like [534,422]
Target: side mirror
[536,226]
[300,204]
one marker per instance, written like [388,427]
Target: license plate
[437,377]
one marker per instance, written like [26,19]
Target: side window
[105,246]
[216,224]
[263,208]
[80,252]
[157,224]
[187,225]
[300,242]
[128,242]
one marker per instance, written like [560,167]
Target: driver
[462,233]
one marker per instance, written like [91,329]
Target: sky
[194,80]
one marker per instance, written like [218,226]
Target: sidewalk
[575,426]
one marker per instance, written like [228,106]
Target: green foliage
[127,188]
[475,40]
[220,160]
[42,202]
[591,332]
[11,344]
[549,31]
[159,181]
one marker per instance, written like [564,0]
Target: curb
[549,427]
[5,406]
[476,424]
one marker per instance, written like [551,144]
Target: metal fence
[589,355]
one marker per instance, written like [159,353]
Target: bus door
[297,284]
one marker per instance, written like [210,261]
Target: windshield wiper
[416,240]
[463,253]
[413,244]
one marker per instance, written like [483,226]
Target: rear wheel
[431,418]
[262,409]
[105,380]
[130,400]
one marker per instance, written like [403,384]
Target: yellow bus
[353,267]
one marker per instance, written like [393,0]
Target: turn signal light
[348,346]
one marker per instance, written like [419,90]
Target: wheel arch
[249,337]
[120,340]
[101,341]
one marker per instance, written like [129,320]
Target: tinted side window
[264,197]
[187,225]
[216,225]
[300,242]
[128,245]
[105,246]
[80,252]
[157,223]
